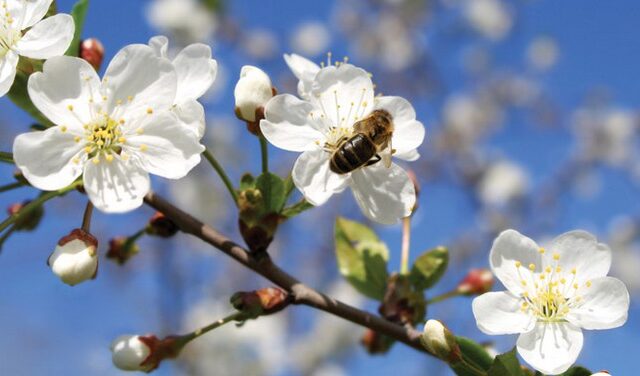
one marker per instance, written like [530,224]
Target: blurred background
[531,115]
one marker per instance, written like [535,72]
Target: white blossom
[311,38]
[75,258]
[491,18]
[252,92]
[542,53]
[305,71]
[339,97]
[187,20]
[128,353]
[196,72]
[502,183]
[552,294]
[23,32]
[114,133]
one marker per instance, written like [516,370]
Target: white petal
[312,177]
[27,13]
[410,155]
[384,194]
[117,186]
[408,133]
[8,66]
[551,348]
[288,124]
[49,37]
[511,247]
[137,73]
[605,305]
[160,45]
[345,86]
[499,313]
[196,71]
[305,71]
[580,250]
[170,150]
[45,158]
[65,81]
[191,113]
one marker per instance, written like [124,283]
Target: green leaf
[506,364]
[273,191]
[362,258]
[474,352]
[289,186]
[20,97]
[577,371]
[78,12]
[429,268]
[247,181]
[296,209]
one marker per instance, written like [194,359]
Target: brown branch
[301,294]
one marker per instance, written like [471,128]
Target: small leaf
[429,268]
[362,258]
[289,186]
[296,209]
[273,191]
[78,12]
[474,352]
[506,364]
[577,371]
[247,181]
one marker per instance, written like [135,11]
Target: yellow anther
[104,98]
[63,129]
[575,286]
[532,267]
[588,283]
[70,107]
[119,102]
[99,142]
[87,149]
[574,271]
[548,269]
[76,160]
[143,147]
[77,138]
[96,160]
[149,110]
[542,276]
[130,98]
[122,140]
[556,256]
[563,281]
[109,158]
[523,282]
[541,250]
[558,269]
[139,131]
[518,264]
[121,121]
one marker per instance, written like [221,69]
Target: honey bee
[372,137]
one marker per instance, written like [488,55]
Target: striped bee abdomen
[352,154]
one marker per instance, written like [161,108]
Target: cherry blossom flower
[115,132]
[75,258]
[305,71]
[129,353]
[196,73]
[42,40]
[552,294]
[339,96]
[253,90]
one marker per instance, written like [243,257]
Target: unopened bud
[121,249]
[260,302]
[252,92]
[376,343]
[440,341]
[129,353]
[92,51]
[477,281]
[30,220]
[160,225]
[75,258]
[601,373]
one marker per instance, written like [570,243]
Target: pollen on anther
[87,149]
[63,128]
[541,250]
[95,160]
[109,158]
[149,110]
[143,147]
[588,283]
[70,107]
[121,121]
[139,131]
[119,102]
[532,267]
[563,281]
[573,271]
[518,264]
[556,256]
[122,140]
[548,269]
[575,286]
[77,138]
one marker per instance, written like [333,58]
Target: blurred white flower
[491,18]
[114,133]
[552,294]
[43,38]
[542,53]
[607,135]
[260,43]
[468,118]
[252,92]
[187,20]
[128,353]
[75,258]
[340,97]
[502,183]
[311,38]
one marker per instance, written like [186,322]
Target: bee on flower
[347,137]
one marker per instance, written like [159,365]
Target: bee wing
[386,156]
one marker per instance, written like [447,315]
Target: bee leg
[376,158]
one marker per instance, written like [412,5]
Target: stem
[216,324]
[445,296]
[6,236]
[406,239]
[223,175]
[264,152]
[86,218]
[6,157]
[37,202]
[11,186]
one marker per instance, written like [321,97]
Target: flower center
[549,293]
[104,138]
[8,38]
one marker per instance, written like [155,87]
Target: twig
[301,294]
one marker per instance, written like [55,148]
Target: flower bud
[252,92]
[129,353]
[75,258]
[30,220]
[160,225]
[440,341]
[121,249]
[376,343]
[477,281]
[92,51]
[260,302]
